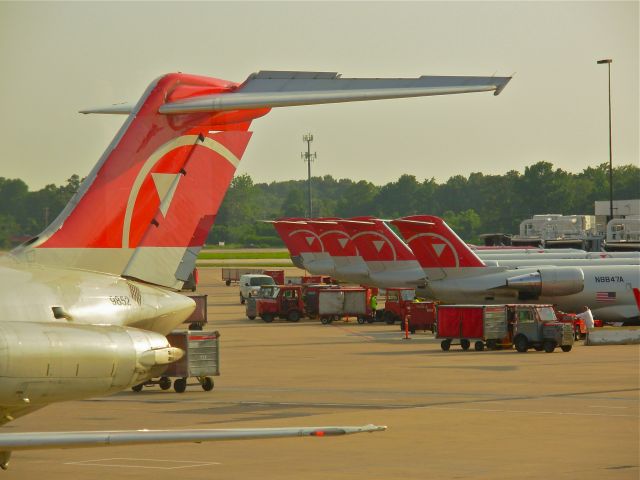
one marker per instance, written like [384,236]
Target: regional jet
[455,274]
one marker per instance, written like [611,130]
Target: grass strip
[243,265]
[204,255]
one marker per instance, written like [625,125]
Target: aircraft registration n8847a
[87,303]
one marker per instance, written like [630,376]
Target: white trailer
[343,302]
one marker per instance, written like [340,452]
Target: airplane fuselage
[607,291]
[68,334]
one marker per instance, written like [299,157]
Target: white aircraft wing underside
[52,440]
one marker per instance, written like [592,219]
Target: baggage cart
[462,324]
[201,360]
[232,275]
[199,316]
[420,316]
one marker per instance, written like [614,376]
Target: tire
[242,300]
[267,318]
[251,317]
[207,384]
[227,283]
[413,331]
[361,319]
[566,348]
[293,316]
[479,346]
[465,344]
[445,345]
[521,343]
[164,383]
[549,346]
[371,319]
[492,344]
[325,320]
[180,385]
[137,388]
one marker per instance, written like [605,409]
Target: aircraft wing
[51,440]
[271,89]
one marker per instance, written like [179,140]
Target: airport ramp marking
[100,463]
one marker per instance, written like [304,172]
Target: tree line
[471,205]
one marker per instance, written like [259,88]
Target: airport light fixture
[608,61]
[308,157]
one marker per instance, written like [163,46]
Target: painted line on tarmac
[429,407]
[603,406]
[99,463]
[538,412]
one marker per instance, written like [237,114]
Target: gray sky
[57,58]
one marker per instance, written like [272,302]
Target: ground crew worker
[587,317]
[374,304]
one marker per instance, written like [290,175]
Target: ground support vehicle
[579,327]
[201,360]
[538,328]
[501,326]
[199,316]
[272,295]
[396,305]
[278,301]
[251,283]
[277,275]
[337,303]
[420,316]
[311,297]
[232,275]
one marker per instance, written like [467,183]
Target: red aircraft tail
[299,238]
[434,244]
[148,205]
[376,241]
[334,238]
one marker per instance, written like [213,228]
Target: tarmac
[450,415]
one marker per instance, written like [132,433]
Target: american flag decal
[605,296]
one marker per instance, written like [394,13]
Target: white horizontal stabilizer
[271,89]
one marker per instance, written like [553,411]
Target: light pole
[608,61]
[308,157]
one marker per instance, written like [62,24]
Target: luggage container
[337,303]
[201,360]
[461,323]
[199,316]
[420,316]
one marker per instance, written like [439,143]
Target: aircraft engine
[48,362]
[549,282]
